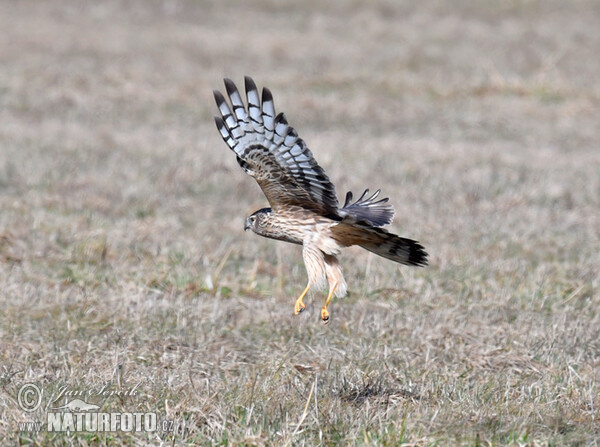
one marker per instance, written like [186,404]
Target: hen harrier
[304,206]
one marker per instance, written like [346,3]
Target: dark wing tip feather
[266,95]
[249,84]
[222,127]
[348,199]
[229,86]
[280,118]
[219,98]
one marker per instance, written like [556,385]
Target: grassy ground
[123,260]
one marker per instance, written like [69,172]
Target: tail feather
[377,213]
[396,248]
[382,243]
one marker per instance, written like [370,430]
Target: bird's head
[257,221]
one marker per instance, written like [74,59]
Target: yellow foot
[325,315]
[299,307]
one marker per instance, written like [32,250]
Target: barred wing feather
[269,149]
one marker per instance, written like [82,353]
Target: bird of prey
[304,206]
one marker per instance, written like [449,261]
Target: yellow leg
[299,307]
[324,311]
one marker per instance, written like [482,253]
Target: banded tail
[382,243]
[399,249]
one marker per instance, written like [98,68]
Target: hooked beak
[246,225]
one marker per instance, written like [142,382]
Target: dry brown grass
[123,258]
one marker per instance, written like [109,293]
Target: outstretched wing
[269,149]
[375,212]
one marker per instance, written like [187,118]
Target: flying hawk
[304,206]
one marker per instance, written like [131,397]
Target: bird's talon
[299,307]
[325,316]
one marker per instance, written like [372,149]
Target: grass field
[124,264]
